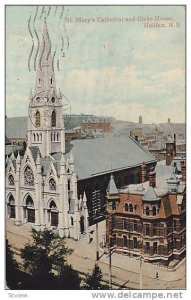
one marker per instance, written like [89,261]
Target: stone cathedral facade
[41,185]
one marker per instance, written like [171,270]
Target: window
[147,229]
[28,176]
[147,211]
[30,215]
[125,224]
[126,207]
[53,205]
[131,207]
[52,184]
[154,229]
[54,218]
[155,248]
[11,180]
[11,207]
[53,119]
[29,202]
[68,184]
[147,247]
[114,206]
[135,244]
[72,221]
[135,227]
[175,244]
[53,214]
[124,241]
[154,211]
[37,119]
[58,136]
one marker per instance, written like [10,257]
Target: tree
[11,267]
[69,279]
[45,258]
[93,281]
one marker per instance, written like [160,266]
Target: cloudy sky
[120,68]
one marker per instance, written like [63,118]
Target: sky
[121,69]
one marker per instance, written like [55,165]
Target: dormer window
[154,211]
[147,211]
[130,207]
[126,207]
[114,206]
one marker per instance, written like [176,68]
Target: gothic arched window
[11,207]
[11,180]
[37,119]
[28,176]
[147,211]
[53,205]
[154,211]
[53,214]
[126,207]
[52,184]
[29,201]
[114,206]
[53,119]
[131,207]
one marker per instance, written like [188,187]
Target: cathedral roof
[99,156]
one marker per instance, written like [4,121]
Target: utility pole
[140,278]
[141,264]
[97,243]
[110,270]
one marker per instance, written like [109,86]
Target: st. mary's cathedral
[63,186]
[41,185]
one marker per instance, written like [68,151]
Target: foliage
[11,267]
[46,260]
[93,281]
[69,279]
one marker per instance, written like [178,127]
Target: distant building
[170,150]
[168,120]
[140,119]
[96,124]
[146,221]
[136,133]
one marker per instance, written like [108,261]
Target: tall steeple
[45,123]
[45,78]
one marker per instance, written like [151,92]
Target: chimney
[174,152]
[143,172]
[183,170]
[152,179]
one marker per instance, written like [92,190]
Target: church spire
[45,79]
